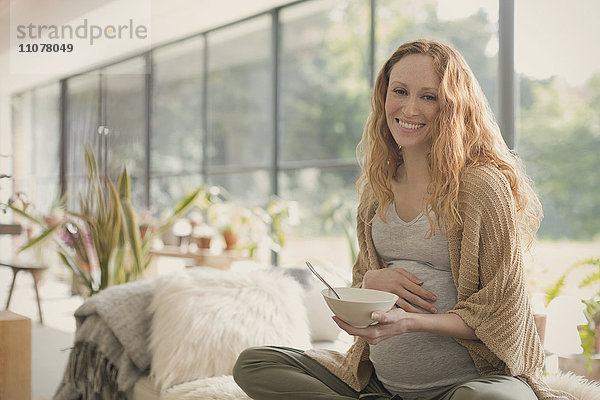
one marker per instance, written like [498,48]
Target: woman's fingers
[411,293]
[417,300]
[416,287]
[408,307]
[408,275]
[391,323]
[404,284]
[371,334]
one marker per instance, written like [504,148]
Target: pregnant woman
[444,211]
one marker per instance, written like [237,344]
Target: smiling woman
[432,153]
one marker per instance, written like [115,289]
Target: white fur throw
[578,386]
[203,318]
[224,388]
[217,388]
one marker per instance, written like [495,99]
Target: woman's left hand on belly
[390,323]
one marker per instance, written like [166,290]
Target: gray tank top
[419,364]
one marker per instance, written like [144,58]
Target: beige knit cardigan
[487,269]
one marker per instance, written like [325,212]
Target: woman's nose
[411,106]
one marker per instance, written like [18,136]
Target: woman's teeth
[409,126]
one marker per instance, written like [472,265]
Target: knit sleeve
[492,293]
[366,252]
[361,263]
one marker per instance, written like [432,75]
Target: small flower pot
[231,240]
[143,230]
[203,242]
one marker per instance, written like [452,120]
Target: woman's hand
[390,323]
[397,321]
[404,284]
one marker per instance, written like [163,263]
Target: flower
[227,216]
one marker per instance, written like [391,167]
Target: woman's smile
[409,127]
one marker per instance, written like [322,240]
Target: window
[36,126]
[324,80]
[559,131]
[240,108]
[177,121]
[277,103]
[124,102]
[327,206]
[240,95]
[46,146]
[82,121]
[22,112]
[325,72]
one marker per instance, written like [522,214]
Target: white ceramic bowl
[356,305]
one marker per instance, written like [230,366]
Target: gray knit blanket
[110,352]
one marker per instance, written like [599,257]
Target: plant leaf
[133,235]
[124,185]
[26,215]
[591,278]
[37,240]
[554,291]
[91,164]
[179,210]
[114,216]
[73,266]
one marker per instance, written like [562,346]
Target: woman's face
[411,102]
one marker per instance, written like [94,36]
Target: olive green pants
[276,373]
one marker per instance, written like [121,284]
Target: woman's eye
[399,91]
[430,97]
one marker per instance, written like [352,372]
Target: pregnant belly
[416,362]
[419,361]
[437,281]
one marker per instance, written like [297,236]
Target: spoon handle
[312,269]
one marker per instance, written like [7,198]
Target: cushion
[203,318]
[216,388]
[322,327]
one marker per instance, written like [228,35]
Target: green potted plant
[101,241]
[250,230]
[228,218]
[589,333]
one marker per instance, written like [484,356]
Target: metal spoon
[312,269]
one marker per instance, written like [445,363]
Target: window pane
[176,143]
[22,117]
[83,108]
[46,145]
[315,189]
[324,79]
[125,117]
[36,136]
[471,27]
[559,130]
[240,127]
[249,188]
[327,203]
[166,191]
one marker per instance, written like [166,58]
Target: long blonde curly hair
[464,134]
